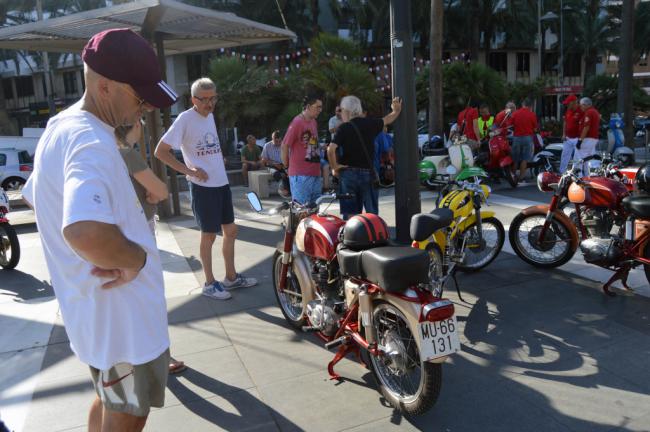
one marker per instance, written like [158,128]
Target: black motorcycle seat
[425,224]
[396,268]
[393,268]
[638,205]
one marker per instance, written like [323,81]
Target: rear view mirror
[254,201]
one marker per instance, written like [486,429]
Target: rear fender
[411,309]
[542,210]
[437,237]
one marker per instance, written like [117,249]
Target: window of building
[7,88]
[523,64]
[70,82]
[24,86]
[499,62]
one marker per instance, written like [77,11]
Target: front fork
[286,258]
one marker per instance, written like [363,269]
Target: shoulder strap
[365,151]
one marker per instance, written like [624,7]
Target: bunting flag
[379,64]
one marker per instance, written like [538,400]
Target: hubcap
[547,243]
[395,356]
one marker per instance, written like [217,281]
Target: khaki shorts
[133,389]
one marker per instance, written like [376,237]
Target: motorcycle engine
[322,316]
[601,251]
[598,222]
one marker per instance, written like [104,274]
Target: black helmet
[365,231]
[642,179]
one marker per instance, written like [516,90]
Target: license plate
[439,339]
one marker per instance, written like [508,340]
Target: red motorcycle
[9,246]
[344,282]
[610,226]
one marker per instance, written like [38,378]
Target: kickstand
[453,275]
[620,274]
[340,354]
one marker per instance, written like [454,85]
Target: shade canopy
[182,27]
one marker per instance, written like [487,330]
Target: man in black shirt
[355,169]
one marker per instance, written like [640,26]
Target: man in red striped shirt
[525,125]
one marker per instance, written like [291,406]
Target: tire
[390,324]
[291,309]
[509,175]
[13,183]
[646,267]
[490,224]
[558,234]
[436,268]
[9,247]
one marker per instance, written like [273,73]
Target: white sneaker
[215,290]
[240,282]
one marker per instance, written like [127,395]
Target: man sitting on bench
[271,158]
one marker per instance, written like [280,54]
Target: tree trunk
[475,31]
[435,73]
[315,12]
[489,32]
[625,71]
[591,59]
[7,126]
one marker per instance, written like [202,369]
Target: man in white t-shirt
[194,133]
[100,253]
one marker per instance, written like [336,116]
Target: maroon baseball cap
[124,56]
[569,99]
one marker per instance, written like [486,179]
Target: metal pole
[539,52]
[559,109]
[624,103]
[407,187]
[47,75]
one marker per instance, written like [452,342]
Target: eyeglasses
[207,99]
[141,102]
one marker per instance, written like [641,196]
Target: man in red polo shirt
[588,127]
[468,125]
[525,125]
[571,131]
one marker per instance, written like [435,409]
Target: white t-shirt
[196,137]
[79,175]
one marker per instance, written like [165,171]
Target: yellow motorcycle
[457,234]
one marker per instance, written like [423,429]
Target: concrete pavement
[542,350]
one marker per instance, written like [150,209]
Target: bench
[258,182]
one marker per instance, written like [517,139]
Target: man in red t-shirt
[571,132]
[503,120]
[524,122]
[588,126]
[468,125]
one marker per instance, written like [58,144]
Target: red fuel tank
[318,236]
[602,192]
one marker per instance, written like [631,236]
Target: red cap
[569,99]
[124,56]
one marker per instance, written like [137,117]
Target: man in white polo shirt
[100,252]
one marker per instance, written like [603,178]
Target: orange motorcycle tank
[600,192]
[318,236]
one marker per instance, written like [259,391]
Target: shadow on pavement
[24,286]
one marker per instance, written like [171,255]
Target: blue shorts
[212,207]
[306,189]
[522,148]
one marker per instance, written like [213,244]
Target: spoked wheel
[509,175]
[482,250]
[407,383]
[9,247]
[551,251]
[290,300]
[436,270]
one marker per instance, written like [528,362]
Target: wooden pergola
[173,27]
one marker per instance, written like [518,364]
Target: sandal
[176,367]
